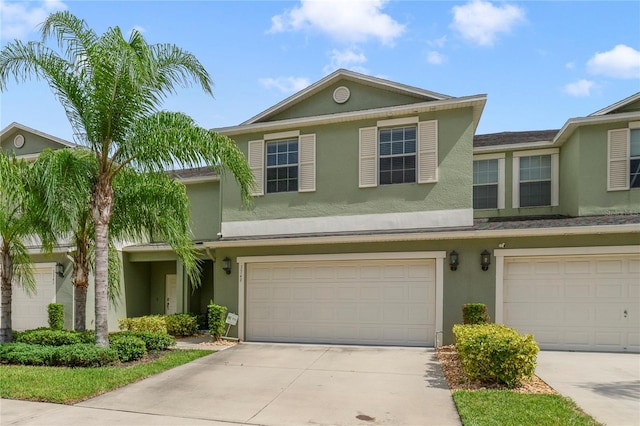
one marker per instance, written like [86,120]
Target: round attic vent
[18,141]
[341,94]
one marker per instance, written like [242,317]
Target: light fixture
[485,260]
[453,260]
[60,269]
[226,265]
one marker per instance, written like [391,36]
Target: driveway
[266,384]
[604,385]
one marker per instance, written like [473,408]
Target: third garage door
[375,302]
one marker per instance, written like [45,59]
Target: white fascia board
[573,123]
[626,101]
[344,256]
[477,102]
[511,147]
[200,179]
[430,236]
[24,128]
[568,251]
[353,223]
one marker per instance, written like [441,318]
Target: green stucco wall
[337,191]
[362,97]
[205,209]
[33,144]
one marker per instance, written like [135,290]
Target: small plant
[128,347]
[217,315]
[48,337]
[181,324]
[475,313]
[153,323]
[56,316]
[152,341]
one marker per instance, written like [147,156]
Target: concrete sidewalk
[264,384]
[604,385]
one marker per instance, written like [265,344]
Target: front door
[171,303]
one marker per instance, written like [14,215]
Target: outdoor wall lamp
[60,269]
[485,260]
[226,265]
[453,260]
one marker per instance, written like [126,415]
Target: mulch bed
[458,380]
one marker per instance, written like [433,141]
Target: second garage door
[376,302]
[29,311]
[575,302]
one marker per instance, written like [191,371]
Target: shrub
[201,319]
[128,347]
[475,313]
[56,316]
[77,355]
[494,353]
[181,324]
[48,337]
[153,323]
[152,341]
[87,336]
[217,315]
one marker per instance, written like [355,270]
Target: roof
[509,138]
[347,75]
[193,175]
[620,104]
[24,128]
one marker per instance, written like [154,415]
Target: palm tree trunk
[6,276]
[80,285]
[102,206]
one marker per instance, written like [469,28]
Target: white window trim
[282,135]
[501,175]
[438,256]
[555,175]
[398,122]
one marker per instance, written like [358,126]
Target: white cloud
[18,19]
[285,84]
[439,42]
[480,21]
[435,58]
[350,58]
[345,21]
[570,65]
[620,62]
[580,88]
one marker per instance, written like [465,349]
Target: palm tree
[20,221]
[144,204]
[111,90]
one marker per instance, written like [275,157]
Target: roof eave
[573,123]
[16,125]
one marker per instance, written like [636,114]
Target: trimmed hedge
[494,353]
[475,313]
[129,347]
[217,316]
[152,323]
[76,355]
[152,341]
[56,316]
[181,324]
[48,337]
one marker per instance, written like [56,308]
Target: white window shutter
[256,164]
[307,163]
[618,160]
[427,151]
[368,175]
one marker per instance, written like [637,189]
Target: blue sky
[539,62]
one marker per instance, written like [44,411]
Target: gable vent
[18,141]
[341,94]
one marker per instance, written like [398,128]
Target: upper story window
[398,150]
[535,176]
[397,155]
[283,162]
[623,150]
[488,181]
[282,166]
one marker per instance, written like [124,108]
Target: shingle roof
[508,138]
[197,172]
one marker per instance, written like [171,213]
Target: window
[397,155]
[282,166]
[535,178]
[535,181]
[283,162]
[623,168]
[634,158]
[485,184]
[398,150]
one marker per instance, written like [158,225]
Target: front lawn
[505,408]
[70,385]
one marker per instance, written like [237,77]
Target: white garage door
[376,302]
[575,303]
[30,311]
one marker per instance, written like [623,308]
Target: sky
[539,62]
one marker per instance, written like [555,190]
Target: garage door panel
[29,311]
[581,306]
[356,302]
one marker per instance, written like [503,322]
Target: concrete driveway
[265,384]
[604,385]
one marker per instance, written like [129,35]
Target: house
[378,212]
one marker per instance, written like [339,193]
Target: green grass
[506,408]
[70,385]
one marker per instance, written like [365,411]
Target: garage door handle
[625,313]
